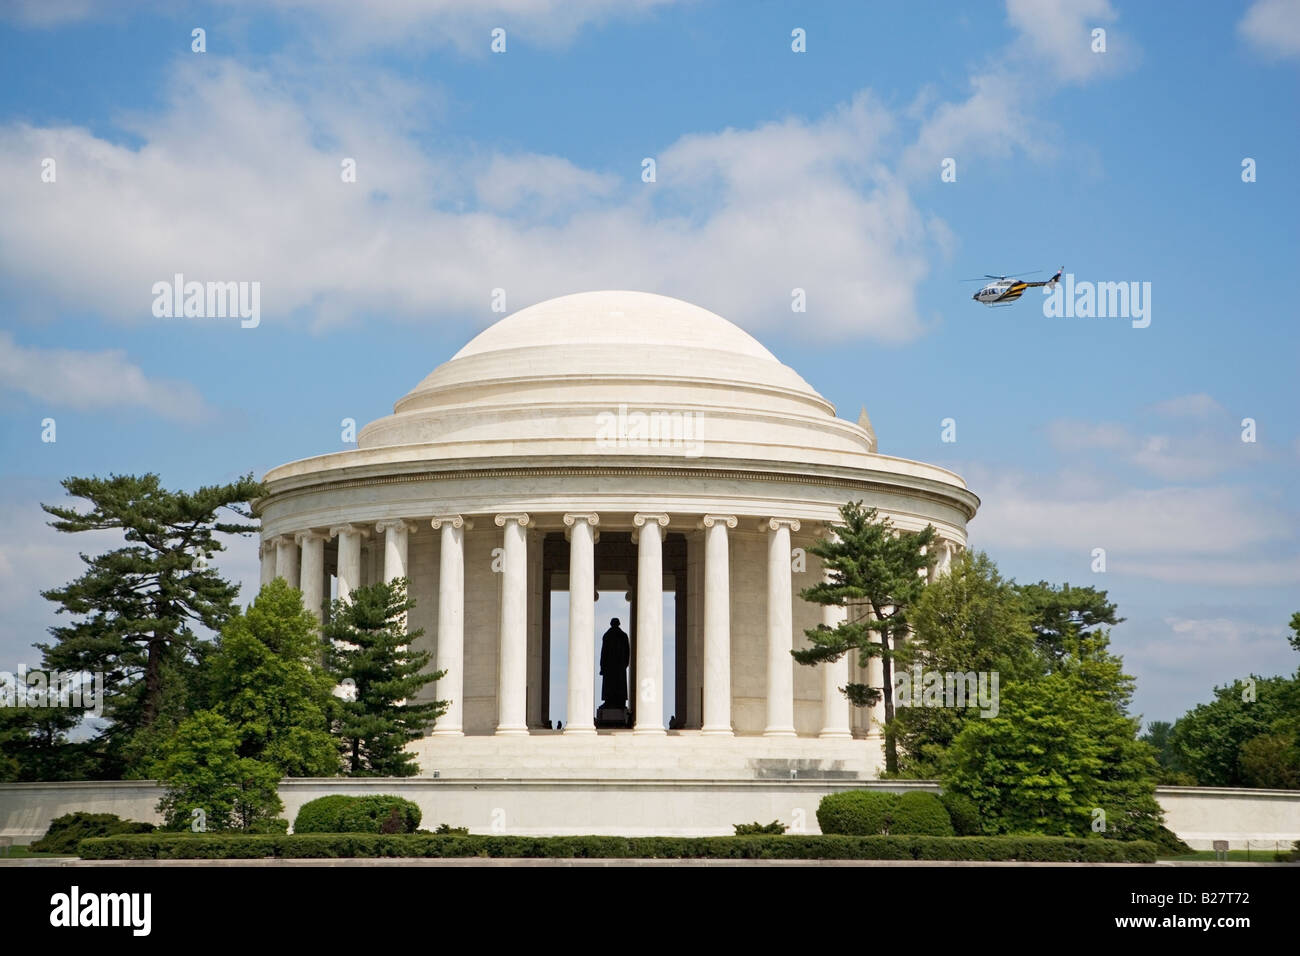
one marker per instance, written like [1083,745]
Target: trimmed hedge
[879,813]
[218,846]
[918,813]
[67,831]
[340,813]
[963,813]
[856,812]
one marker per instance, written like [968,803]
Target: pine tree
[138,605]
[371,653]
[874,568]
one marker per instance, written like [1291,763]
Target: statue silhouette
[615,652]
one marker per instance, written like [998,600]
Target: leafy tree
[268,681]
[1058,614]
[1159,737]
[1208,739]
[34,742]
[371,652]
[202,770]
[1271,760]
[138,605]
[1061,748]
[876,569]
[970,619]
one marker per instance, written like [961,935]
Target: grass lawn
[21,852]
[1236,856]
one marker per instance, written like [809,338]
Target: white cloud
[88,381]
[1273,27]
[1199,405]
[1218,522]
[1171,455]
[1057,36]
[465,24]
[239,180]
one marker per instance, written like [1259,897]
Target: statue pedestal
[611,716]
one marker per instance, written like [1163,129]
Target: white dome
[546,380]
[618,319]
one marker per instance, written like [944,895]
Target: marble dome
[541,378]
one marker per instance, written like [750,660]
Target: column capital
[572,518]
[456,521]
[520,519]
[303,536]
[401,524]
[775,524]
[339,529]
[640,518]
[708,521]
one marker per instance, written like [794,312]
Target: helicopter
[1003,290]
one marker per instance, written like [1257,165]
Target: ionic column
[451,624]
[286,560]
[349,573]
[266,551]
[649,624]
[313,570]
[395,531]
[717,625]
[512,677]
[835,674]
[582,621]
[780,628]
[876,678]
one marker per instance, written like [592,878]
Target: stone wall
[635,806]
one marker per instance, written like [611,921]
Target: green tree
[1272,761]
[968,620]
[371,652]
[1058,614]
[1061,748]
[137,606]
[268,680]
[1208,739]
[34,743]
[875,572]
[202,770]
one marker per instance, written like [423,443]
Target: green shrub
[856,812]
[751,829]
[963,813]
[339,813]
[447,830]
[67,831]
[1168,844]
[921,814]
[236,846]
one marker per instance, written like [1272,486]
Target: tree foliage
[269,682]
[202,771]
[874,571]
[138,607]
[969,619]
[371,652]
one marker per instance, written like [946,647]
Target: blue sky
[775,170]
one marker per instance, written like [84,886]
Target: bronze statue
[615,652]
